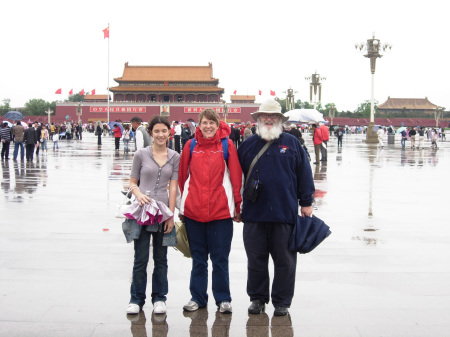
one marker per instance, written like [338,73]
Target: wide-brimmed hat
[270,106]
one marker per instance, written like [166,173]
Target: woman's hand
[237,217]
[142,198]
[168,226]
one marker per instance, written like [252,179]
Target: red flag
[260,92]
[234,92]
[93,92]
[82,92]
[106,33]
[71,92]
[58,92]
[272,93]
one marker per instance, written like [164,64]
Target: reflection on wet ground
[65,266]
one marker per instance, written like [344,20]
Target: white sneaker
[133,309]
[225,308]
[159,307]
[191,306]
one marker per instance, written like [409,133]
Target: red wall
[176,112]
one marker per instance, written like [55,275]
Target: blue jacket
[286,177]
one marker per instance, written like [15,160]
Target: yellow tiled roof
[167,73]
[408,103]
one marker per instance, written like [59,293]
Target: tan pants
[317,152]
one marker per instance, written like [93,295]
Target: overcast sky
[46,45]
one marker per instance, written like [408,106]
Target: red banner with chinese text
[125,109]
[218,110]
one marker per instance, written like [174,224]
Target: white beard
[267,134]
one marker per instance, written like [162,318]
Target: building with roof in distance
[178,92]
[96,98]
[242,99]
[407,105]
[167,84]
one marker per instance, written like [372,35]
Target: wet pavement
[65,266]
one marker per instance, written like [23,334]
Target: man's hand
[306,211]
[237,217]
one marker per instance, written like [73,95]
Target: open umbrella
[304,116]
[14,116]
[25,125]
[9,123]
[111,125]
[400,129]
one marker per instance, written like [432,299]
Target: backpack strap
[225,148]
[193,143]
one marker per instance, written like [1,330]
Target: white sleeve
[139,140]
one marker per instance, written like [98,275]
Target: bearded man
[278,179]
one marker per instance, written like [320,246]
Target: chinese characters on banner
[218,110]
[118,109]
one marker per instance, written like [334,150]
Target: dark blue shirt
[285,174]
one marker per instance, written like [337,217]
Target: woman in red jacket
[211,200]
[117,135]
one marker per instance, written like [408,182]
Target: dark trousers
[323,150]
[5,149]
[262,239]
[177,143]
[117,141]
[99,142]
[160,285]
[213,239]
[340,141]
[183,143]
[29,151]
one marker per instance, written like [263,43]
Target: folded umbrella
[148,214]
[308,233]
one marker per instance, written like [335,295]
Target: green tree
[76,97]
[5,107]
[363,110]
[39,107]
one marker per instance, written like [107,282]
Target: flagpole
[108,76]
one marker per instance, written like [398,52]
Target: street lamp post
[225,110]
[332,112]
[438,113]
[290,99]
[79,112]
[373,49]
[315,86]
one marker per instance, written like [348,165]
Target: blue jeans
[160,285]
[403,141]
[125,145]
[16,150]
[55,144]
[213,239]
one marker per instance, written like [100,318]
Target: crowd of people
[32,138]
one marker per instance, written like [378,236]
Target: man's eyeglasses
[267,116]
